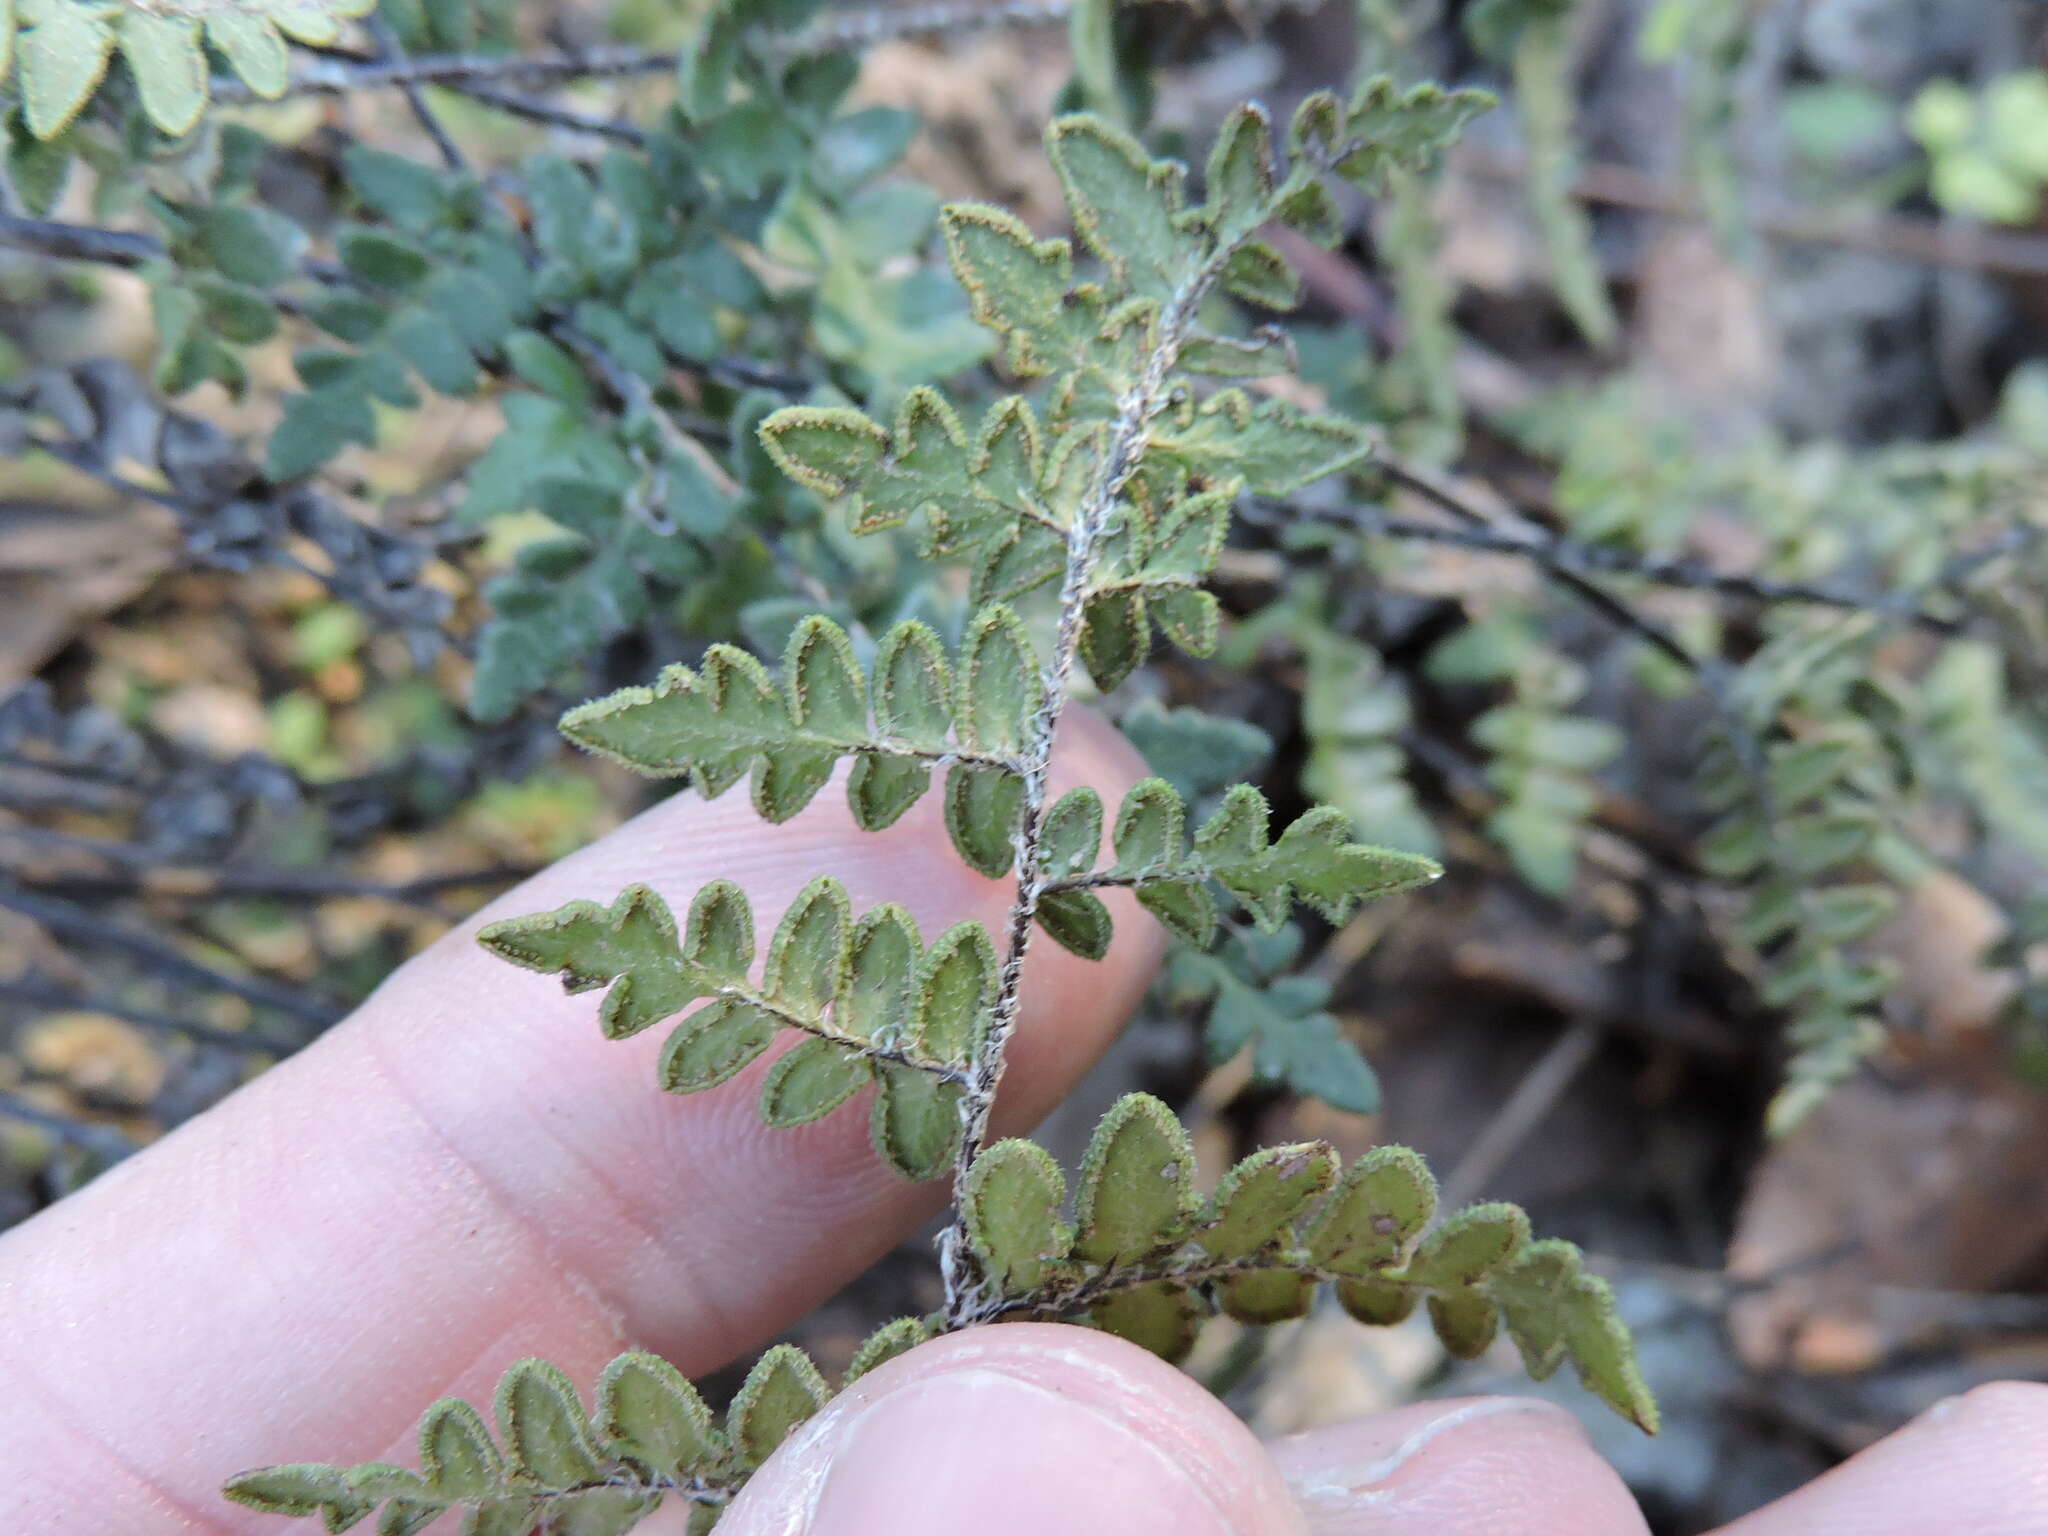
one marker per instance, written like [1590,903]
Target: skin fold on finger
[1975,1465]
[1032,1428]
[1481,1466]
[465,1172]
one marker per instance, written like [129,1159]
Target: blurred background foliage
[372,388]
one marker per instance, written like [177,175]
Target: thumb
[1023,1427]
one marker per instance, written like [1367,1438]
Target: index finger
[464,1173]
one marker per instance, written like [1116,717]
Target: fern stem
[945,1072]
[1125,451]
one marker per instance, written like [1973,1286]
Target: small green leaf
[630,945]
[316,21]
[1469,1246]
[253,49]
[1184,906]
[409,194]
[1843,914]
[1808,845]
[1135,1182]
[713,1044]
[63,58]
[1465,1320]
[1603,1354]
[1382,1202]
[1555,1311]
[301,1489]
[807,957]
[916,1121]
[1268,1296]
[881,788]
[811,1080]
[1802,770]
[875,1002]
[1160,1317]
[1150,836]
[1273,449]
[1114,636]
[1191,618]
[780,1393]
[1262,1197]
[1123,204]
[545,366]
[599,1512]
[1376,1303]
[884,1345]
[457,1458]
[649,1413]
[1293,1037]
[1071,834]
[545,1433]
[984,807]
[1239,182]
[236,313]
[913,687]
[476,306]
[720,937]
[1315,861]
[1397,129]
[729,715]
[1011,1206]
[826,693]
[1737,846]
[1260,275]
[956,986]
[1077,921]
[511,1515]
[1314,213]
[1016,286]
[384,260]
[317,426]
[827,448]
[164,56]
[436,351]
[968,495]
[1000,684]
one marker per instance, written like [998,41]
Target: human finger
[465,1172]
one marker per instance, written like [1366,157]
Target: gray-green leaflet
[62,49]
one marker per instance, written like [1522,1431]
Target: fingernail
[995,1443]
[1364,1464]
[1487,1466]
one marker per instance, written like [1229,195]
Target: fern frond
[879,1007]
[1142,1258]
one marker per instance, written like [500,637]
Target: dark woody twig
[93,928]
[1598,559]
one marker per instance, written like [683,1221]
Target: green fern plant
[1088,515]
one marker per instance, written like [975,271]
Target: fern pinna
[1109,487]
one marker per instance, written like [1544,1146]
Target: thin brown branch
[1434,488]
[92,928]
[79,242]
[1600,559]
[1516,1120]
[1931,242]
[336,73]
[143,870]
[35,993]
